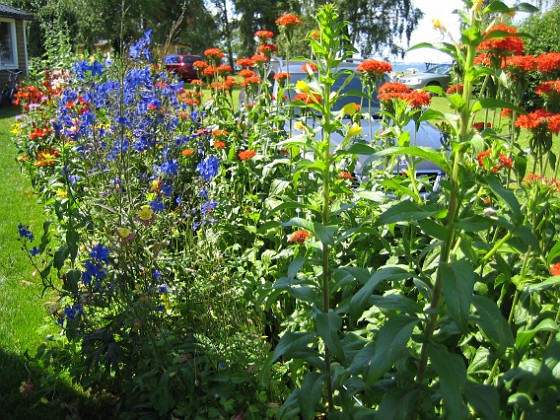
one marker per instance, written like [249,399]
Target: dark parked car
[182,64]
[436,76]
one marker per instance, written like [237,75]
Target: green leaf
[491,321]
[60,256]
[543,285]
[325,233]
[302,223]
[71,282]
[492,103]
[452,379]
[506,196]
[550,368]
[524,337]
[553,254]
[480,361]
[433,229]
[72,240]
[407,211]
[328,325]
[484,399]
[397,404]
[475,223]
[294,267]
[426,153]
[361,298]
[291,342]
[431,114]
[390,343]
[310,393]
[457,281]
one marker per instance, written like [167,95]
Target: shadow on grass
[43,396]
[8,110]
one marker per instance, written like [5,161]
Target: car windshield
[191,59]
[350,92]
[441,69]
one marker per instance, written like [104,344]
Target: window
[8,44]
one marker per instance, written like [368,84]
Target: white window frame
[15,54]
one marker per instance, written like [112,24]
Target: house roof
[12,12]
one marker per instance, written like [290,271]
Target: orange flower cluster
[200,65]
[252,80]
[539,119]
[245,63]
[245,73]
[281,76]
[315,34]
[549,88]
[214,54]
[548,62]
[504,46]
[187,152]
[28,95]
[307,98]
[288,21]
[344,175]
[308,67]
[219,144]
[537,179]
[228,84]
[267,49]
[299,236]
[259,58]
[374,67]
[223,69]
[455,89]
[263,35]
[39,133]
[555,269]
[246,154]
[503,161]
[395,90]
[191,98]
[219,133]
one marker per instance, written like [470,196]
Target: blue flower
[74,311]
[208,168]
[208,206]
[157,205]
[24,232]
[170,167]
[163,288]
[35,251]
[100,254]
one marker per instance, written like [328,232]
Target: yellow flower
[145,213]
[354,130]
[438,25]
[16,129]
[298,125]
[303,86]
[349,109]
[124,232]
[154,185]
[61,193]
[477,5]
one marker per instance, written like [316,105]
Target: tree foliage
[543,32]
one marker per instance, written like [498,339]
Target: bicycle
[10,86]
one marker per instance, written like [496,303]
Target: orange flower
[299,236]
[288,21]
[267,49]
[245,62]
[308,98]
[281,76]
[219,144]
[555,269]
[245,73]
[246,154]
[418,98]
[507,45]
[344,175]
[255,80]
[455,89]
[482,156]
[374,67]
[308,67]
[259,58]
[200,65]
[548,62]
[263,35]
[187,152]
[214,53]
[506,161]
[223,69]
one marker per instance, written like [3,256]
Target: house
[13,42]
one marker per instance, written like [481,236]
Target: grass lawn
[24,322]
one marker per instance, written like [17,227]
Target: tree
[543,31]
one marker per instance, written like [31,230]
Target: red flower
[200,65]
[245,73]
[308,67]
[259,58]
[288,21]
[555,269]
[534,119]
[246,154]
[267,49]
[245,62]
[507,45]
[214,54]
[550,87]
[393,87]
[418,98]
[506,161]
[281,76]
[548,62]
[308,98]
[482,156]
[299,236]
[263,35]
[519,63]
[374,67]
[455,89]
[481,125]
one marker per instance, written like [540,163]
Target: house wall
[21,48]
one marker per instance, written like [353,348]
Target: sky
[425,32]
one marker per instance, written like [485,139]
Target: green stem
[496,247]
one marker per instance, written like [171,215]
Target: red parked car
[182,64]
